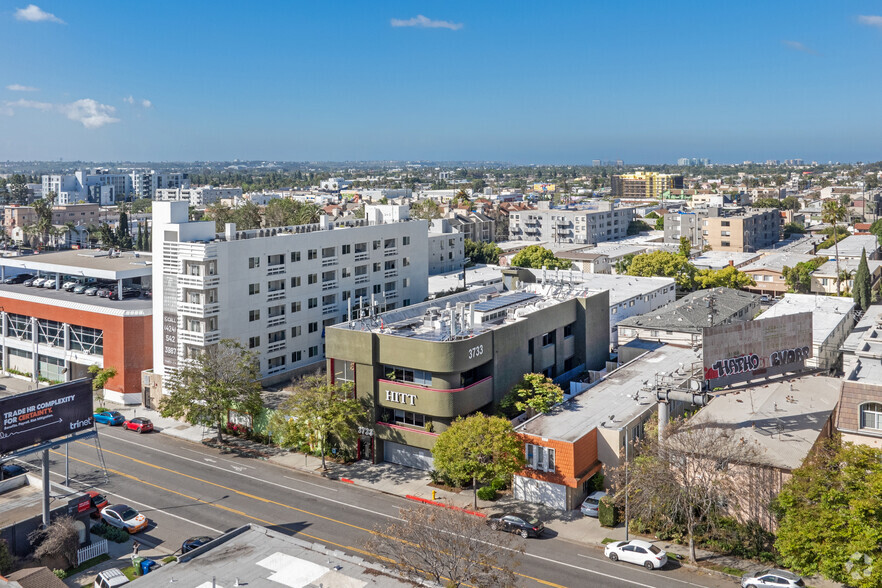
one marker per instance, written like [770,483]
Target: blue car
[110,417]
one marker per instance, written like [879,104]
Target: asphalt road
[186,489]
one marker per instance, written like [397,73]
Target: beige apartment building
[645,184]
[748,232]
[78,214]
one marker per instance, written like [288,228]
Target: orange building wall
[128,341]
[572,461]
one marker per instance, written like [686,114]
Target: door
[412,457]
[628,554]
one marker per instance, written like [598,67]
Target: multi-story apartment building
[684,224]
[747,232]
[644,184]
[145,183]
[199,197]
[475,226]
[95,185]
[446,248]
[275,289]
[600,222]
[78,214]
[420,367]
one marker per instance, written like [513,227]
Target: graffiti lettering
[787,356]
[733,366]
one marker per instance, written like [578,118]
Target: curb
[436,503]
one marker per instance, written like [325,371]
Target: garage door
[540,492]
[412,457]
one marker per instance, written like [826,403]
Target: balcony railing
[198,282]
[198,310]
[362,256]
[391,252]
[329,285]
[276,321]
[273,347]
[275,270]
[277,295]
[329,261]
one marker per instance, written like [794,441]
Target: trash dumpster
[137,560]
[147,566]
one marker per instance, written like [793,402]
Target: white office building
[199,197]
[275,290]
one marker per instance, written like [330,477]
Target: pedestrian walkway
[120,557]
[402,481]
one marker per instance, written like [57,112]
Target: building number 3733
[476,351]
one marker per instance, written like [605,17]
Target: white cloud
[129,99]
[424,22]
[6,111]
[146,103]
[33,13]
[871,20]
[797,46]
[91,113]
[20,88]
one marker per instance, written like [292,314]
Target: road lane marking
[642,571]
[311,484]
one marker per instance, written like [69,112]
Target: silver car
[80,289]
[778,578]
[592,503]
[91,291]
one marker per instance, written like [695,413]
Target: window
[400,374]
[540,458]
[871,416]
[295,356]
[253,342]
[568,330]
[295,306]
[275,285]
[389,287]
[313,327]
[295,281]
[277,259]
[405,240]
[295,331]
[312,303]
[389,265]
[345,272]
[329,299]
[409,418]
[312,278]
[376,244]
[276,336]
[361,247]
[344,371]
[274,311]
[253,315]
[405,261]
[295,256]
[313,351]
[329,276]
[361,270]
[377,288]
[548,339]
[377,266]
[253,289]
[389,243]
[346,249]
[405,282]
[312,254]
[328,252]
[361,293]
[253,262]
[275,362]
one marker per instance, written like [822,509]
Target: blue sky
[530,82]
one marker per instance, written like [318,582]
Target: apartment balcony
[362,256]
[198,282]
[329,309]
[391,274]
[275,347]
[276,321]
[391,295]
[391,252]
[275,270]
[435,402]
[198,310]
[362,279]
[277,295]
[329,262]
[329,285]
[199,339]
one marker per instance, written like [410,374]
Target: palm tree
[69,228]
[43,210]
[834,212]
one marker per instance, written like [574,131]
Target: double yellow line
[253,497]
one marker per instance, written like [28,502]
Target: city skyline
[456,82]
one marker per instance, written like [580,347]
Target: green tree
[43,211]
[426,209]
[623,264]
[834,212]
[660,223]
[685,247]
[728,277]
[247,216]
[799,277]
[536,256]
[535,392]
[123,235]
[637,226]
[316,413]
[793,228]
[221,378]
[791,203]
[100,376]
[283,212]
[478,448]
[220,213]
[482,253]
[862,295]
[18,189]
[767,203]
[830,515]
[666,264]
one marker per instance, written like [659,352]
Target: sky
[560,82]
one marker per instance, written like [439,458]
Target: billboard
[758,348]
[44,414]
[544,188]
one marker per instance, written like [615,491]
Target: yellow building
[642,184]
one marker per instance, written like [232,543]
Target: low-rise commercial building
[422,366]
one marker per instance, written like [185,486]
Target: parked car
[110,578]
[771,578]
[126,293]
[125,517]
[69,285]
[80,289]
[91,291]
[32,282]
[147,293]
[139,424]
[765,298]
[48,283]
[514,522]
[98,501]
[109,417]
[194,542]
[20,278]
[592,503]
[104,292]
[10,470]
[642,553]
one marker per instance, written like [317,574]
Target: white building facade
[602,222]
[275,290]
[199,197]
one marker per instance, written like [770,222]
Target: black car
[515,522]
[11,470]
[194,542]
[20,278]
[126,293]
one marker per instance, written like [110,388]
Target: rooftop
[621,287]
[784,418]
[93,263]
[21,498]
[50,296]
[827,312]
[849,264]
[478,275]
[259,556]
[795,244]
[853,246]
[615,400]
[776,262]
[717,260]
[692,312]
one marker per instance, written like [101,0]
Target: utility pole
[627,488]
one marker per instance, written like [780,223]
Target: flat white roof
[621,287]
[92,263]
[479,275]
[717,260]
[854,245]
[777,261]
[827,312]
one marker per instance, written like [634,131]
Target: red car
[141,425]
[98,501]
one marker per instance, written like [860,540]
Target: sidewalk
[120,557]
[402,481]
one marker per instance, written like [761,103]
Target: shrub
[58,539]
[499,484]
[60,574]
[595,483]
[487,493]
[110,533]
[7,560]
[606,513]
[101,409]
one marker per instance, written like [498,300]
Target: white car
[642,553]
[69,285]
[124,517]
[38,283]
[779,578]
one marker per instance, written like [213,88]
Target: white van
[110,578]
